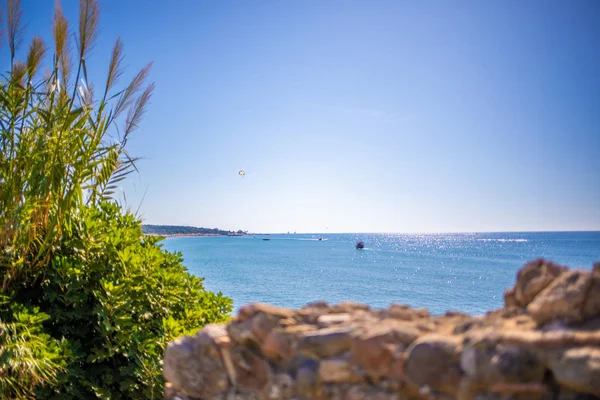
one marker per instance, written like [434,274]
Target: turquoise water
[466,272]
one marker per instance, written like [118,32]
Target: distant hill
[167,230]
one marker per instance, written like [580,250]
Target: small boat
[360,245]
[266,239]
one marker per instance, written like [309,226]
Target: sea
[465,272]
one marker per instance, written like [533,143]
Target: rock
[194,365]
[311,312]
[279,346]
[569,395]
[591,305]
[402,332]
[577,369]
[262,324]
[457,314]
[398,366]
[426,326]
[241,332]
[487,361]
[563,299]
[325,321]
[405,313]
[251,310]
[316,305]
[434,361]
[476,356]
[545,344]
[307,376]
[533,278]
[466,326]
[516,365]
[376,349]
[349,307]
[337,370]
[510,299]
[282,387]
[328,391]
[327,342]
[360,392]
[374,352]
[253,372]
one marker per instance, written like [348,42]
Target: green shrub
[118,298]
[28,356]
[88,302]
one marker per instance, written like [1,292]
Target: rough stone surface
[577,368]
[545,344]
[533,278]
[433,361]
[563,299]
[591,307]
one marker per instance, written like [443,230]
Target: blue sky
[361,116]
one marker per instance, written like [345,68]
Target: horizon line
[384,233]
[423,233]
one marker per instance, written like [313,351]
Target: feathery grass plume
[19,72]
[127,96]
[114,68]
[35,55]
[13,25]
[60,31]
[135,114]
[89,13]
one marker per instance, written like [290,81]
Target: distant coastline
[170,235]
[183,231]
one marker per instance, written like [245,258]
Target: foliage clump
[87,301]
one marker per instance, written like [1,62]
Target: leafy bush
[28,356]
[87,301]
[118,298]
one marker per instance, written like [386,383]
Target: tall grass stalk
[61,146]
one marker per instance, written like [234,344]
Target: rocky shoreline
[543,344]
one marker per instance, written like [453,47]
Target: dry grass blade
[13,25]
[137,111]
[34,58]
[128,94]
[114,68]
[89,14]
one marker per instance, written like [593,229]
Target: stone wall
[544,344]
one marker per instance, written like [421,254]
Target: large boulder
[533,278]
[563,299]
